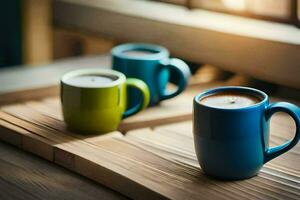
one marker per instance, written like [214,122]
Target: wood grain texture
[149,163]
[24,176]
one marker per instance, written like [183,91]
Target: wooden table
[24,175]
[154,159]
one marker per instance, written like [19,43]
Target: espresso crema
[230,100]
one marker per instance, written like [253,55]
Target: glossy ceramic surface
[233,143]
[100,109]
[154,69]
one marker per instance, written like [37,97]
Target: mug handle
[143,88]
[291,109]
[182,69]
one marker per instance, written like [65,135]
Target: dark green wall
[10,32]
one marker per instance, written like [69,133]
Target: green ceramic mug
[94,100]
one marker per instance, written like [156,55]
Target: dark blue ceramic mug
[233,143]
[151,63]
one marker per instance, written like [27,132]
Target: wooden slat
[40,186]
[9,192]
[25,176]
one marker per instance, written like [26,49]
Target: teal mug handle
[184,73]
[144,102]
[294,112]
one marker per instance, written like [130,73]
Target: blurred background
[29,36]
[255,38]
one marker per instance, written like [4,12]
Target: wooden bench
[151,156]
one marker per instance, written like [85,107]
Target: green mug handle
[144,102]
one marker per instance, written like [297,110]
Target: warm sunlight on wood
[270,8]
[239,5]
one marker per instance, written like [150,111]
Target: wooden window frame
[290,20]
[265,50]
[295,17]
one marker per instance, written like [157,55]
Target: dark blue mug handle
[183,72]
[294,112]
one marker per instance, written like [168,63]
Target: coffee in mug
[92,81]
[138,52]
[231,131]
[229,100]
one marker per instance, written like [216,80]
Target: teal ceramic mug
[152,64]
[94,100]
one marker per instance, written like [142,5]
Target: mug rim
[92,71]
[232,88]
[161,51]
